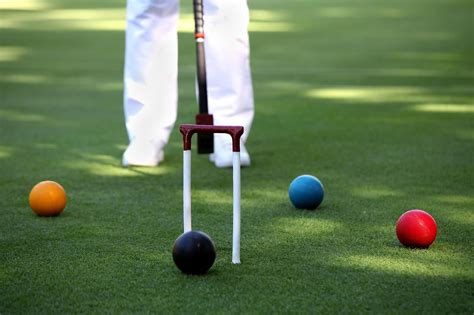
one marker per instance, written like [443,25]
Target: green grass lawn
[375,98]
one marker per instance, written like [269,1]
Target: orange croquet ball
[47,198]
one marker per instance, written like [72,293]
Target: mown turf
[375,98]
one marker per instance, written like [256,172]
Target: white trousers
[151,66]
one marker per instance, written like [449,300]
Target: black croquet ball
[194,252]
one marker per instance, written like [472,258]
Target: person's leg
[229,79]
[150,78]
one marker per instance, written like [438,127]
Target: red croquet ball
[416,228]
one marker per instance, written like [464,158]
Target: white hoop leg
[187,190]
[236,209]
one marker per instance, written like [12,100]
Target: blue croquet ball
[306,192]
[194,252]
